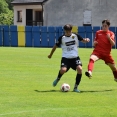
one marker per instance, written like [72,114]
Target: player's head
[67,29]
[105,24]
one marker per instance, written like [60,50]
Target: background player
[103,42]
[70,58]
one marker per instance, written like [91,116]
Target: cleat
[76,90]
[88,74]
[115,79]
[55,82]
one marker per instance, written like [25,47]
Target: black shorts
[70,63]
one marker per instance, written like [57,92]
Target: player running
[103,42]
[70,58]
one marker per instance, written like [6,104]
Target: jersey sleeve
[79,37]
[59,41]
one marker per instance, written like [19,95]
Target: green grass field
[26,76]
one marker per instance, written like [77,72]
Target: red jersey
[104,45]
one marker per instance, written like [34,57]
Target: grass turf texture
[26,76]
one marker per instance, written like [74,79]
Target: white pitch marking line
[13,113]
[36,111]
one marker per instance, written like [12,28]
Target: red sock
[90,65]
[115,74]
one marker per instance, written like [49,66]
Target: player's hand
[95,43]
[108,36]
[87,39]
[49,56]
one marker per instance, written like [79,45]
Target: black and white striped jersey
[69,45]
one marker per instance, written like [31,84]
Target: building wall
[60,12]
[23,9]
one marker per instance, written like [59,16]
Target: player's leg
[64,68]
[78,78]
[77,65]
[92,59]
[114,70]
[111,63]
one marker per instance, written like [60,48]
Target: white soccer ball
[65,87]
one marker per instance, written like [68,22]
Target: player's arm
[55,46]
[95,40]
[52,51]
[84,40]
[111,39]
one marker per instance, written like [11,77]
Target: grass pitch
[26,76]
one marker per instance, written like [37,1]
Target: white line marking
[12,113]
[60,109]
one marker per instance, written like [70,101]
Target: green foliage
[3,7]
[6,15]
[26,76]
[9,4]
[6,19]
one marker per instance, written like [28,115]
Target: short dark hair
[68,27]
[106,21]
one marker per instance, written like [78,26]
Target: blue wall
[42,36]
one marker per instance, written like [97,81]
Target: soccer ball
[65,87]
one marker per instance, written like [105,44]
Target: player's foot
[76,90]
[88,74]
[55,82]
[115,79]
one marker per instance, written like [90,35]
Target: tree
[3,7]
[9,4]
[6,15]
[6,19]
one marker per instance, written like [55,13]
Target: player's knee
[63,70]
[114,69]
[93,58]
[79,69]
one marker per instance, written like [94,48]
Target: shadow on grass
[72,91]
[48,91]
[97,91]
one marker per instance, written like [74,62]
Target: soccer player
[103,42]
[70,58]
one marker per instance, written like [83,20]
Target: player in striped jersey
[70,57]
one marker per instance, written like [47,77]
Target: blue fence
[43,36]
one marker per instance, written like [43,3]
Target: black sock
[59,76]
[78,79]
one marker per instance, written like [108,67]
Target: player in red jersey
[103,42]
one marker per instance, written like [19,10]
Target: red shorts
[106,57]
